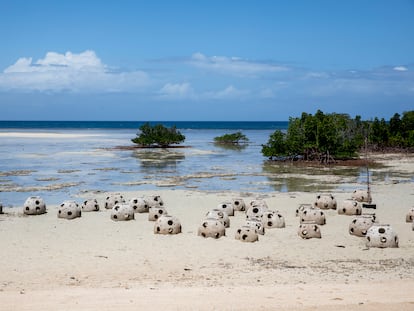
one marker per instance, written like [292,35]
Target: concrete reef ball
[247,234]
[211,228]
[361,195]
[156,212]
[258,202]
[257,224]
[122,212]
[167,224]
[154,200]
[410,215]
[301,208]
[273,219]
[113,199]
[256,212]
[350,208]
[360,224]
[139,205]
[34,206]
[325,201]
[219,215]
[69,210]
[310,213]
[226,207]
[381,236]
[309,230]
[238,204]
[90,206]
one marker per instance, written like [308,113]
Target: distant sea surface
[195,125]
[72,160]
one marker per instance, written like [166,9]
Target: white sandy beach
[94,263]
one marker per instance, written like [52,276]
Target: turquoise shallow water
[74,160]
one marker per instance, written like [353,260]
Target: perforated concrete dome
[325,201]
[360,224]
[219,215]
[361,195]
[154,200]
[257,202]
[122,212]
[301,208]
[113,199]
[34,206]
[139,205]
[238,204]
[156,212]
[273,219]
[211,228]
[257,224]
[410,215]
[350,208]
[226,207]
[90,205]
[247,234]
[256,211]
[309,213]
[167,224]
[381,236]
[69,210]
[309,230]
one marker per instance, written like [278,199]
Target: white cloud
[21,65]
[176,90]
[83,72]
[230,92]
[234,65]
[400,68]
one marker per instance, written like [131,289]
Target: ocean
[194,125]
[62,160]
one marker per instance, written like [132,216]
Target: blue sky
[204,60]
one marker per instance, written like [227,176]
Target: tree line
[324,137]
[319,137]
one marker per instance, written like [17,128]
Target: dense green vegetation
[231,139]
[158,136]
[323,137]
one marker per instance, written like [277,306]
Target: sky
[205,60]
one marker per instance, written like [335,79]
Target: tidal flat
[61,164]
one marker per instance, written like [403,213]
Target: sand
[94,263]
[45,135]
